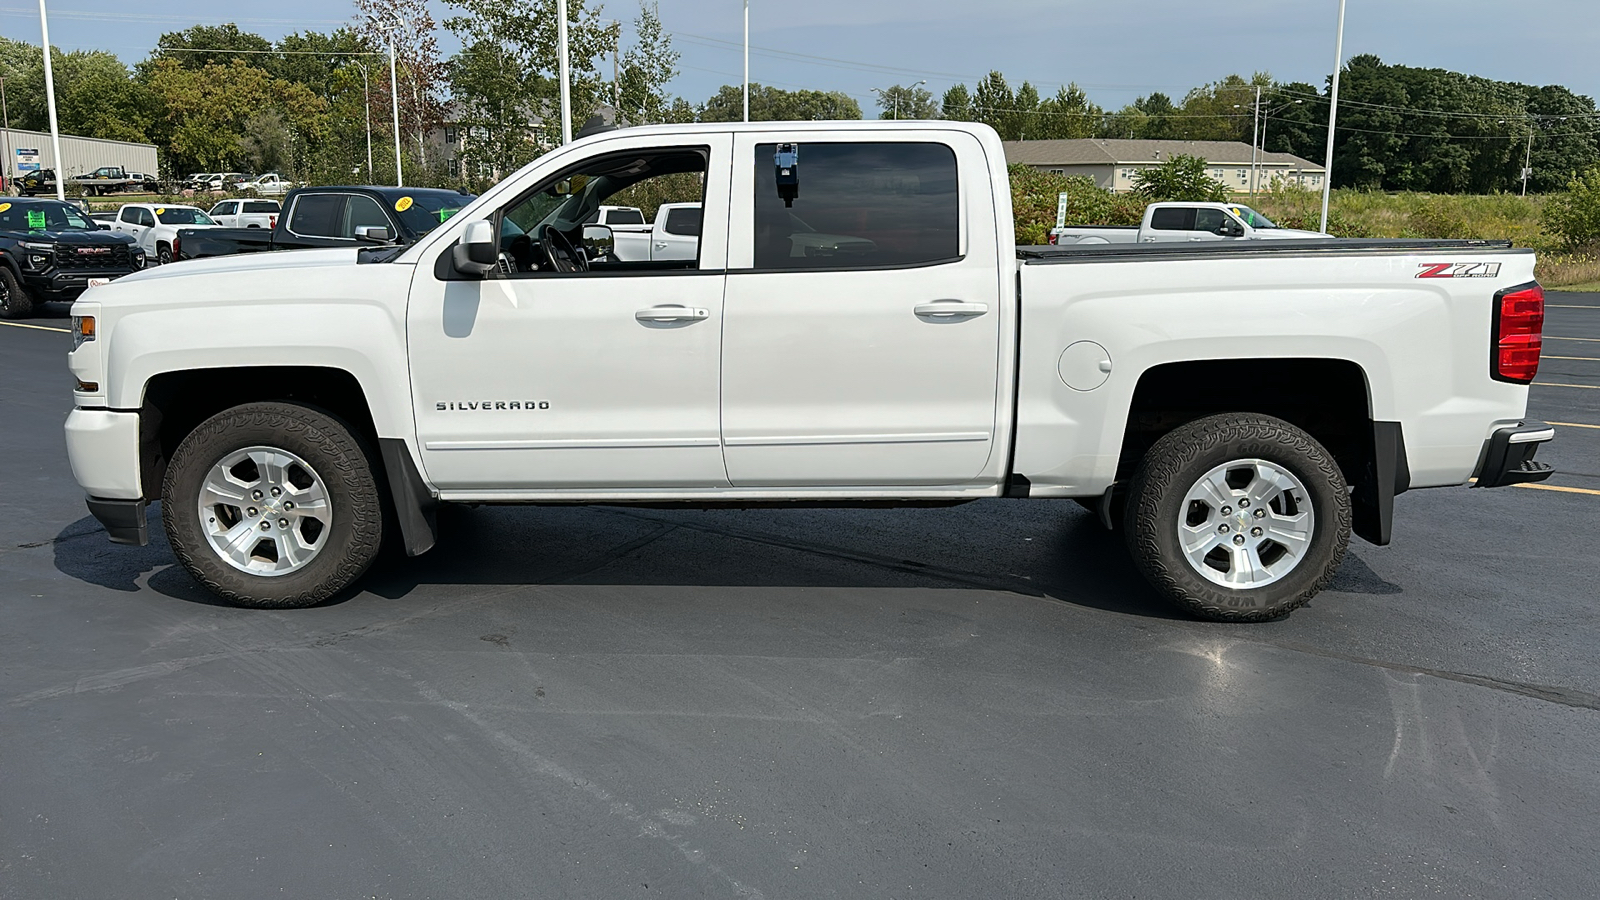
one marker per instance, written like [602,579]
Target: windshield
[182,215]
[47,216]
[1251,217]
[423,211]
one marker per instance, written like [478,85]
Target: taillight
[1518,334]
[176,244]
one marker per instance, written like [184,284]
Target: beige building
[1113,163]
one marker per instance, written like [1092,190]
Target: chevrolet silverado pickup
[51,250]
[1236,410]
[331,217]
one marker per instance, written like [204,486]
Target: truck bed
[1072,253]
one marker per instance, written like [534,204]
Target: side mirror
[598,241]
[1230,228]
[378,233]
[477,251]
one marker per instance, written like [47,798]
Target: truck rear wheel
[273,506]
[1238,517]
[15,303]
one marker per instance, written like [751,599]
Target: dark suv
[51,250]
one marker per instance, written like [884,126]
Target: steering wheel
[563,258]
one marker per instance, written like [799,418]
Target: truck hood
[1287,234]
[251,262]
[100,237]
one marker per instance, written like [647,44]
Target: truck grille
[97,257]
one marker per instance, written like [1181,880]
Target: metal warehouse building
[79,154]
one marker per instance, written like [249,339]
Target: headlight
[82,330]
[138,257]
[37,255]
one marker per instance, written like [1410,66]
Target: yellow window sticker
[4,207]
[160,210]
[403,204]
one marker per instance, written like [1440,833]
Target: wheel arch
[1329,398]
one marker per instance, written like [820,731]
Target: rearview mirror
[598,241]
[477,251]
[372,233]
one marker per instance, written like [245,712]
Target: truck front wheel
[14,300]
[273,506]
[1238,517]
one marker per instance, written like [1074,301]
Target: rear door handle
[672,314]
[946,309]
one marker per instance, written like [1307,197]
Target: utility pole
[50,94]
[1333,115]
[1255,138]
[746,59]
[1527,160]
[5,111]
[566,77]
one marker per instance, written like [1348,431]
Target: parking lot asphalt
[979,702]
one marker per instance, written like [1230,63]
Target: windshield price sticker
[35,220]
[160,210]
[403,204]
[4,207]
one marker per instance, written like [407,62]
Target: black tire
[163,254]
[15,301]
[331,448]
[1179,460]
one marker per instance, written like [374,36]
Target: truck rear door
[862,331]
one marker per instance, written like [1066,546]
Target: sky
[1116,50]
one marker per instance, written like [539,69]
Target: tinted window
[427,207]
[363,210]
[684,220]
[857,205]
[179,215]
[1209,219]
[55,216]
[146,219]
[317,215]
[1173,218]
[627,217]
[260,206]
[223,209]
[129,214]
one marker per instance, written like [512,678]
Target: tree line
[216,98]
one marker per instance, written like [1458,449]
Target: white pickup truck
[246,214]
[675,234]
[1171,222]
[155,225]
[1238,410]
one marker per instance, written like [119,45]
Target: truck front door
[864,314]
[540,378]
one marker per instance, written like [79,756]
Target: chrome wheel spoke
[1249,536]
[256,515]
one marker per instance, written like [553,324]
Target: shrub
[1574,217]
[1182,178]
[1033,202]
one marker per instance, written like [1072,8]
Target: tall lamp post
[50,95]
[5,112]
[366,94]
[394,93]
[566,77]
[1333,117]
[747,60]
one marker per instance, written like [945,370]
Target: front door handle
[672,314]
[945,309]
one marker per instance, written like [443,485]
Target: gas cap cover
[1084,366]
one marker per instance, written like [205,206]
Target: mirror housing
[1230,228]
[373,233]
[477,251]
[598,241]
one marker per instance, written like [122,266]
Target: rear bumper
[1508,455]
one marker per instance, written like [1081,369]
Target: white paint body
[819,384]
[655,242]
[231,214]
[152,236]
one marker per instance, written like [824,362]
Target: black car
[50,250]
[364,216]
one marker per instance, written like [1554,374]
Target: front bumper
[1508,455]
[59,285]
[103,449]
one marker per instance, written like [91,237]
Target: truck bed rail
[1079,253]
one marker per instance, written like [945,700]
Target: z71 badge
[1459,270]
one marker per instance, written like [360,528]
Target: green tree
[1575,215]
[770,104]
[901,102]
[1181,178]
[199,46]
[956,105]
[408,26]
[646,68]
[994,105]
[1068,114]
[95,95]
[497,125]
[206,112]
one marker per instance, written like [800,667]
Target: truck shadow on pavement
[1048,551]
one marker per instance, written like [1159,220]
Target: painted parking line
[1551,337]
[1592,387]
[37,327]
[1578,358]
[1569,306]
[1557,487]
[1572,425]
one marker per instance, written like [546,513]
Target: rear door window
[1173,218]
[684,220]
[317,215]
[864,205]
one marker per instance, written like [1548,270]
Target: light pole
[1527,160]
[1333,116]
[50,94]
[747,60]
[566,83]
[5,112]
[394,94]
[1265,115]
